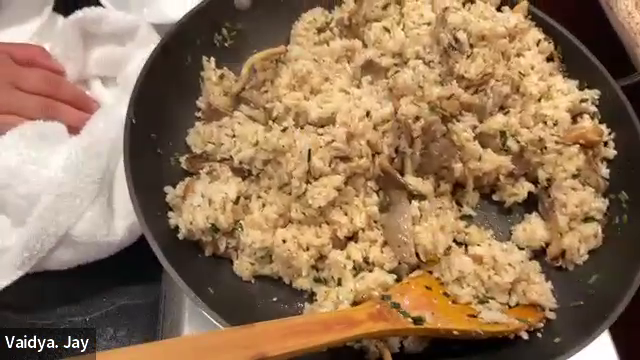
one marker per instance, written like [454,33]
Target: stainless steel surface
[180,316]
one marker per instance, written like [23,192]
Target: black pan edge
[193,297]
[127,169]
[611,318]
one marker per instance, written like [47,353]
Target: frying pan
[162,109]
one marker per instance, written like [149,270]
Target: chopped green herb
[214,230]
[238,228]
[318,279]
[504,138]
[483,301]
[524,321]
[175,160]
[576,303]
[418,320]
[466,217]
[625,218]
[224,38]
[428,287]
[385,297]
[590,219]
[593,279]
[404,313]
[623,196]
[395,305]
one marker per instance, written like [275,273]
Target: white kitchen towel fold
[64,199]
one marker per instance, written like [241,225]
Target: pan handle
[628,81]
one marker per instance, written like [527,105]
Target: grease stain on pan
[242,5]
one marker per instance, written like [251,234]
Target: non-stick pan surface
[162,110]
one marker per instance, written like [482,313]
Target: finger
[8,122]
[35,107]
[32,56]
[47,84]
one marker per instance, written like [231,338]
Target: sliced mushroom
[461,40]
[522,166]
[238,171]
[397,227]
[438,153]
[432,130]
[352,22]
[585,135]
[252,98]
[324,121]
[217,246]
[397,223]
[474,106]
[402,271]
[406,161]
[591,176]
[451,106]
[338,243]
[373,69]
[188,188]
[194,163]
[546,208]
[579,108]
[214,113]
[476,84]
[253,114]
[247,68]
[390,178]
[489,141]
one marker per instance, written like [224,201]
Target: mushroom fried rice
[356,155]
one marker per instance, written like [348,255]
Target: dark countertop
[119,296]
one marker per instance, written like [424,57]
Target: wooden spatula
[417,306]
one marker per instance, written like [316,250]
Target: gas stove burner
[180,316]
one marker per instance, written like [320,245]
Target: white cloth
[153,11]
[64,199]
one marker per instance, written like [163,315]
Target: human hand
[33,86]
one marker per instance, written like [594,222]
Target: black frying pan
[162,110]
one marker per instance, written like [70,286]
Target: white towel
[64,199]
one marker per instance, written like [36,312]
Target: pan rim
[146,231]
[129,122]
[622,305]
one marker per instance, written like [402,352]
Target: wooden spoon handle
[276,339]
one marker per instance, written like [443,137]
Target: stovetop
[119,296]
[180,316]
